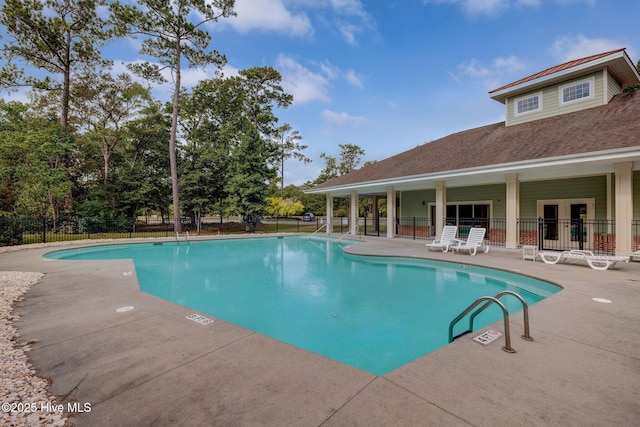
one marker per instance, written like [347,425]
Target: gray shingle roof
[611,126]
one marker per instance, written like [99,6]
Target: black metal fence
[20,231]
[595,235]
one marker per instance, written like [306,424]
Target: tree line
[96,144]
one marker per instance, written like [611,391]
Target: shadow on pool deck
[152,366]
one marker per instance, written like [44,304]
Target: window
[468,214]
[529,104]
[576,91]
[464,215]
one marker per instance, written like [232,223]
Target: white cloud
[333,72]
[353,79]
[20,94]
[501,69]
[350,7]
[302,83]
[341,119]
[270,15]
[330,70]
[484,7]
[509,64]
[473,69]
[189,77]
[350,29]
[476,7]
[230,71]
[565,2]
[567,48]
[487,7]
[530,3]
[348,17]
[349,32]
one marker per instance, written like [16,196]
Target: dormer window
[529,104]
[576,91]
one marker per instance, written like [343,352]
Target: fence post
[580,234]
[414,228]
[540,233]
[44,230]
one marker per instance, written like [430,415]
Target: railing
[505,314]
[318,230]
[599,236]
[352,231]
[488,301]
[596,235]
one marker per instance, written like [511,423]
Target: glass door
[566,223]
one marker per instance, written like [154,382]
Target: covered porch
[558,204]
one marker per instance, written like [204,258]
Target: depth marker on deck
[200,319]
[488,337]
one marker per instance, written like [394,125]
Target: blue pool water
[373,313]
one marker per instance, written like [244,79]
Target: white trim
[522,98]
[605,86]
[592,88]
[589,201]
[564,73]
[608,156]
[430,205]
[564,214]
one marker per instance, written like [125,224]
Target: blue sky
[391,75]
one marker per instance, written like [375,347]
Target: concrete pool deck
[152,366]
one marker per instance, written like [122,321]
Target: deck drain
[603,300]
[125,309]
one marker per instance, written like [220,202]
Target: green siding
[530,192]
[613,87]
[551,101]
[495,193]
[411,203]
[576,188]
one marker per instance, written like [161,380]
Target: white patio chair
[597,262]
[446,238]
[475,241]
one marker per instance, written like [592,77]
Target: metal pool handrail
[355,227]
[525,310]
[311,235]
[505,313]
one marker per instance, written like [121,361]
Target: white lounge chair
[632,255]
[597,262]
[475,241]
[446,238]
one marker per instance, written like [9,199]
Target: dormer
[566,88]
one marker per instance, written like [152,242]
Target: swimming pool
[373,313]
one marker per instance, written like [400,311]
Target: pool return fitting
[487,302]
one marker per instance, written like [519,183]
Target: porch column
[375,212]
[441,207]
[329,212]
[391,212]
[513,211]
[624,206]
[353,212]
